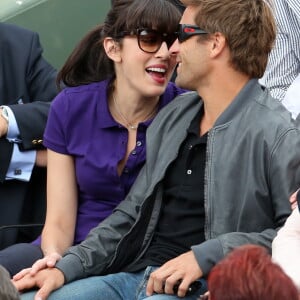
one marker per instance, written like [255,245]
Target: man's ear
[112,49]
[218,44]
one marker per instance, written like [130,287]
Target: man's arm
[31,119]
[283,177]
[29,82]
[21,162]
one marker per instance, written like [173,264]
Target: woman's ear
[112,49]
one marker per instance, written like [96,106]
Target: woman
[117,80]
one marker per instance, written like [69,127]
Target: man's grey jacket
[253,165]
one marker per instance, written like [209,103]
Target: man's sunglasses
[150,40]
[185,31]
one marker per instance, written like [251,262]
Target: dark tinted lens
[170,39]
[180,34]
[149,40]
[186,31]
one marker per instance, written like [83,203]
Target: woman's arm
[59,229]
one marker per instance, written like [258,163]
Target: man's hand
[3,125]
[47,280]
[183,269]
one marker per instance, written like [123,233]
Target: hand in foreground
[48,261]
[183,269]
[47,280]
[293,200]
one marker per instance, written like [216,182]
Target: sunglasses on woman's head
[150,40]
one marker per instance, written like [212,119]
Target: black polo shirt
[181,223]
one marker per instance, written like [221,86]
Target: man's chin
[182,83]
[179,82]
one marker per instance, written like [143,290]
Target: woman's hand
[47,261]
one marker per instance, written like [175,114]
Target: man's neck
[218,96]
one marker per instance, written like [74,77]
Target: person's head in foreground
[7,289]
[248,273]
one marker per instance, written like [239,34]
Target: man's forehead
[189,14]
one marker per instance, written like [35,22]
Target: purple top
[80,124]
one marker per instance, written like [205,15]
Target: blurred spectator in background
[282,73]
[27,86]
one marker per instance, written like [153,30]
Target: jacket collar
[251,90]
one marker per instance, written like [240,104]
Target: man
[218,173]
[26,88]
[284,61]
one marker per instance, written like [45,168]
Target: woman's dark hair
[178,4]
[89,63]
